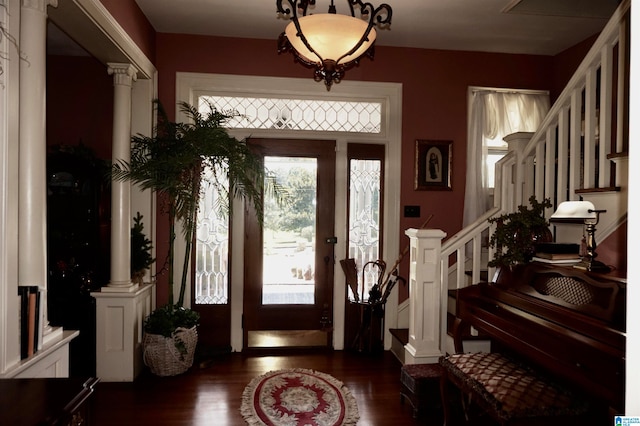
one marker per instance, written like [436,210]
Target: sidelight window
[212,248]
[212,235]
[366,165]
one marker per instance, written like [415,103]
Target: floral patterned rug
[298,397]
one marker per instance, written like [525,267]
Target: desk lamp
[583,212]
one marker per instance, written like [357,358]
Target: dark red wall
[613,251]
[565,64]
[434,102]
[79,103]
[434,99]
[131,18]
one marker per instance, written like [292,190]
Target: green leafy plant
[173,163]
[164,319]
[141,246]
[517,233]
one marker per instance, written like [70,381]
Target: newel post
[523,188]
[426,326]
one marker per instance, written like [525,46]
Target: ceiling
[545,27]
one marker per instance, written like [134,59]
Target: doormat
[298,397]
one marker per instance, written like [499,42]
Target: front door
[289,261]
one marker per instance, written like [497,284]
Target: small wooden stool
[420,384]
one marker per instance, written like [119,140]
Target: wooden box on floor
[420,384]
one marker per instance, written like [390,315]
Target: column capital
[518,141]
[39,5]
[123,74]
[422,233]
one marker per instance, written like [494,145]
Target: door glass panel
[212,245]
[364,220]
[289,235]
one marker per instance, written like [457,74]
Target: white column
[427,303]
[123,77]
[517,142]
[32,203]
[121,306]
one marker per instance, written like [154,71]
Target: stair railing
[464,251]
[589,118]
[585,132]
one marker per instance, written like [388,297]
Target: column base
[413,356]
[120,318]
[120,288]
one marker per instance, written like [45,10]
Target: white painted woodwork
[120,319]
[52,361]
[123,77]
[190,85]
[518,174]
[9,190]
[427,320]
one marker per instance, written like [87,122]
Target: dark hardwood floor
[210,392]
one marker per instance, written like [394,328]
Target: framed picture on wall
[433,165]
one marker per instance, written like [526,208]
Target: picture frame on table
[433,165]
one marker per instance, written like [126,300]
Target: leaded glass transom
[299,114]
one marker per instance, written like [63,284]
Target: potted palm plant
[173,162]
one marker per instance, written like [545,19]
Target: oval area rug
[298,397]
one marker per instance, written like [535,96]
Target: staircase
[580,151]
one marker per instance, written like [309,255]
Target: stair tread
[484,274]
[402,334]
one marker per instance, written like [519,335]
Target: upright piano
[567,321]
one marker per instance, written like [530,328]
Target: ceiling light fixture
[329,42]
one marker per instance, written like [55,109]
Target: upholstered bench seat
[510,391]
[420,384]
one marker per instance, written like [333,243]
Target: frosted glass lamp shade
[574,212]
[331,36]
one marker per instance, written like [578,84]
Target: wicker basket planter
[169,356]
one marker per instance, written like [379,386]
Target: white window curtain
[494,114]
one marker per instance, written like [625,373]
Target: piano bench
[420,384]
[510,392]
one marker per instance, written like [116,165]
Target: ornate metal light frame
[359,38]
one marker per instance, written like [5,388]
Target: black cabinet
[77,246]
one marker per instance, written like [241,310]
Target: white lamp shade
[569,211]
[331,36]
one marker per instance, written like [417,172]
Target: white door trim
[189,86]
